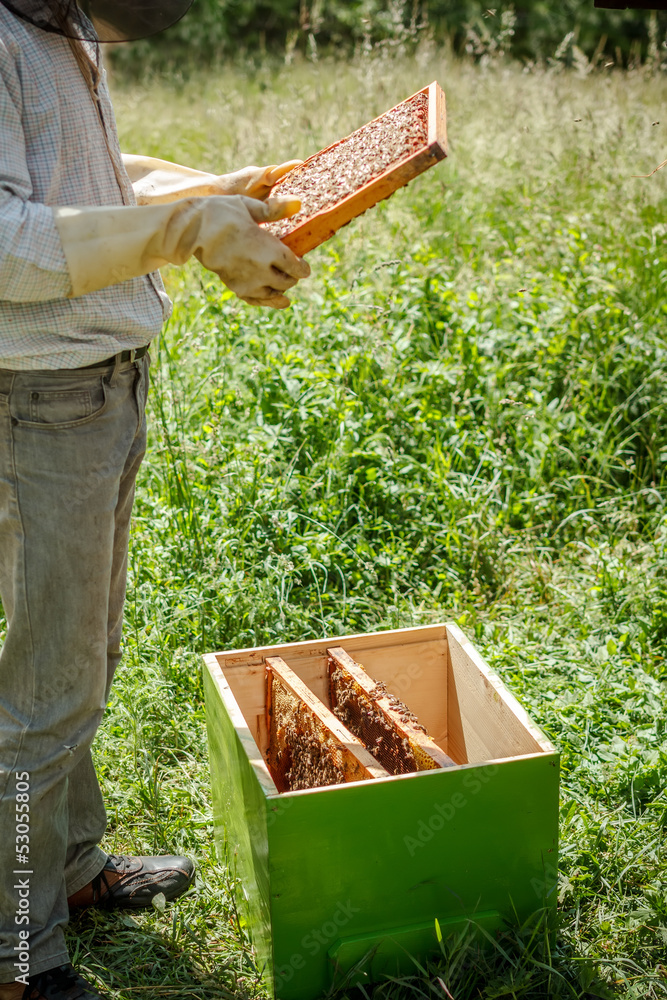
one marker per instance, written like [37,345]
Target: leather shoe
[129,882]
[62,983]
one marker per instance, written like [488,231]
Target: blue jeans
[71,443]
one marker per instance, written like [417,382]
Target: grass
[462,416]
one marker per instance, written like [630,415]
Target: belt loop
[114,374]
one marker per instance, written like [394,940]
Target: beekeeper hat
[100,20]
[632,4]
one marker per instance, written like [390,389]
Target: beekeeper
[80,302]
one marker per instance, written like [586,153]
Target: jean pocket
[59,408]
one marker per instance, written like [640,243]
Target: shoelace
[53,981]
[123,865]
[121,862]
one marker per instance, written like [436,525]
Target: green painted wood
[369,957]
[240,819]
[378,856]
[330,874]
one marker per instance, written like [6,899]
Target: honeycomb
[386,726]
[305,751]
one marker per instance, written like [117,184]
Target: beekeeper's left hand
[255,182]
[158,182]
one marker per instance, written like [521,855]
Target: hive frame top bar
[319,227]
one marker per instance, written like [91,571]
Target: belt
[132,355]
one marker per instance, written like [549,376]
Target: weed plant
[463,415]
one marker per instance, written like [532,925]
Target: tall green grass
[463,415]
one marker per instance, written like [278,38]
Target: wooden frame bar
[358,764]
[428,755]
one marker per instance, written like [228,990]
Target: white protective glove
[104,246]
[159,181]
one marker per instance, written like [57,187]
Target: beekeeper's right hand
[104,246]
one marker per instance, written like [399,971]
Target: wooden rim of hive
[322,225]
[428,755]
[356,762]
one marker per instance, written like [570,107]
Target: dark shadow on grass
[529,962]
[127,956]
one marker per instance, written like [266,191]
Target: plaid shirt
[53,151]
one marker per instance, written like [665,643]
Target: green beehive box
[360,871]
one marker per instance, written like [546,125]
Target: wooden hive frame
[348,754]
[427,754]
[319,227]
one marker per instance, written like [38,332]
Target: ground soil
[334,173]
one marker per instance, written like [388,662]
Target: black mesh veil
[100,20]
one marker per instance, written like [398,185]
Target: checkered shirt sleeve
[32,262]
